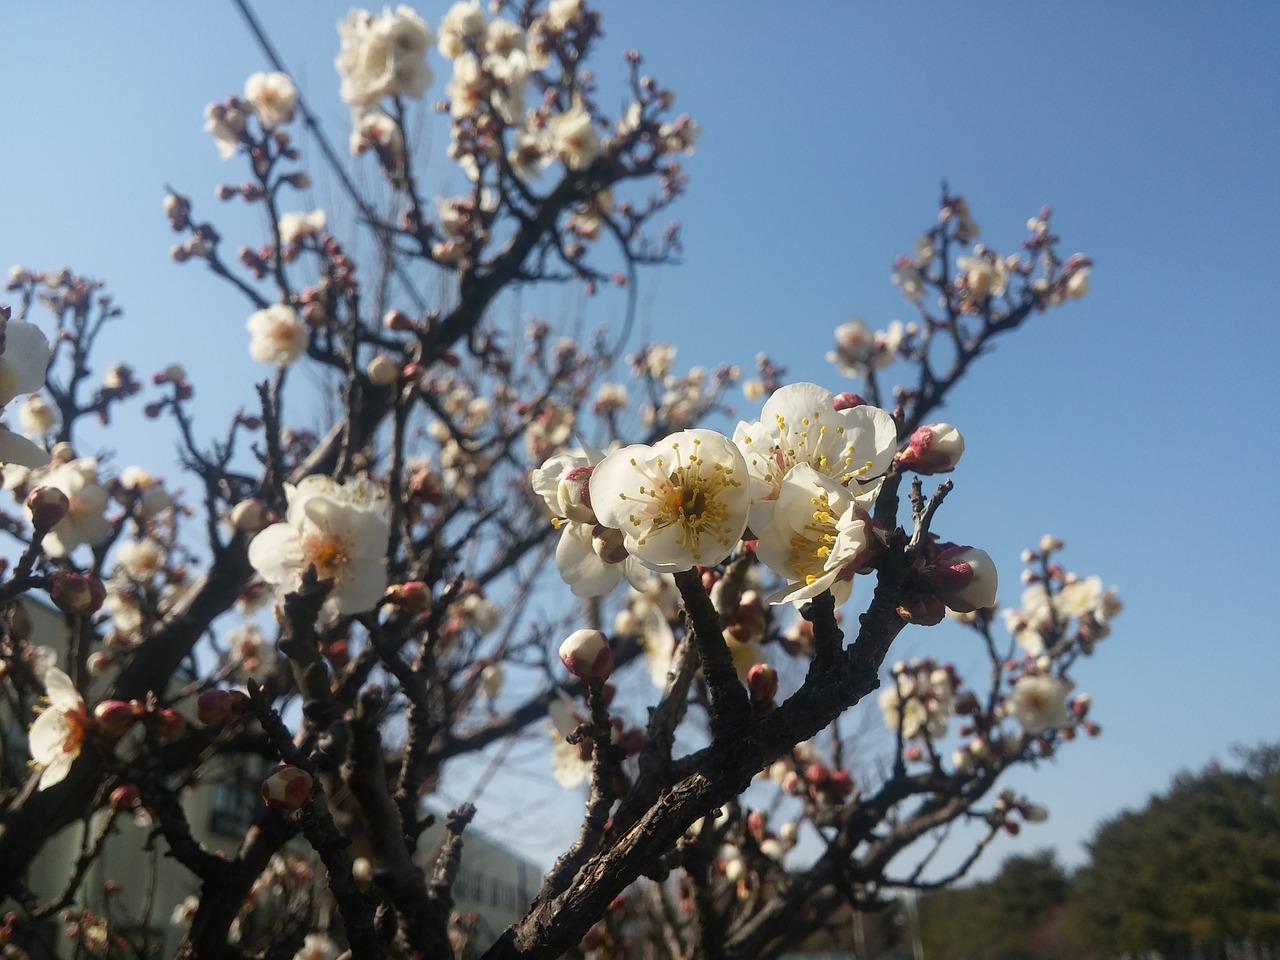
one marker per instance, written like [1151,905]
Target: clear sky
[1139,424]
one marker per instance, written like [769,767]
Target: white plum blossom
[277,335]
[679,503]
[1038,703]
[815,538]
[36,416]
[57,734]
[462,22]
[24,357]
[273,96]
[85,522]
[859,348]
[984,275]
[141,559]
[295,226]
[341,529]
[799,424]
[574,139]
[382,55]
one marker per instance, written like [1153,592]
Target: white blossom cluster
[801,480]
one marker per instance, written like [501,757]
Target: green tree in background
[1197,868]
[996,918]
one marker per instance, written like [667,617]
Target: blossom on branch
[57,734]
[276,334]
[87,500]
[273,97]
[383,55]
[24,357]
[1038,703]
[679,503]
[341,530]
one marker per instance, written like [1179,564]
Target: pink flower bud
[76,593]
[125,795]
[216,707]
[847,401]
[817,774]
[286,788]
[1013,827]
[586,655]
[842,783]
[412,597]
[762,681]
[935,448]
[964,577]
[574,495]
[48,505]
[170,724]
[100,661]
[397,320]
[114,717]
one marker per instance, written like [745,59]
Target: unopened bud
[935,448]
[76,593]
[249,516]
[382,370]
[100,662]
[125,795]
[574,495]
[1033,812]
[609,544]
[170,724]
[762,682]
[586,655]
[48,505]
[114,717]
[412,597]
[216,707]
[847,401]
[964,577]
[397,320]
[286,788]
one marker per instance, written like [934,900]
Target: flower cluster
[801,478]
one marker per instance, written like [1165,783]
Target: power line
[326,149]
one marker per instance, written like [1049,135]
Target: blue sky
[1138,424]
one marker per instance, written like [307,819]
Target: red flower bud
[413,597]
[114,717]
[286,788]
[125,795]
[934,448]
[48,505]
[76,593]
[762,681]
[170,723]
[216,707]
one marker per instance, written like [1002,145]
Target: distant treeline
[1193,875]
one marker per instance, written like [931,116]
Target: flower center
[688,495]
[328,554]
